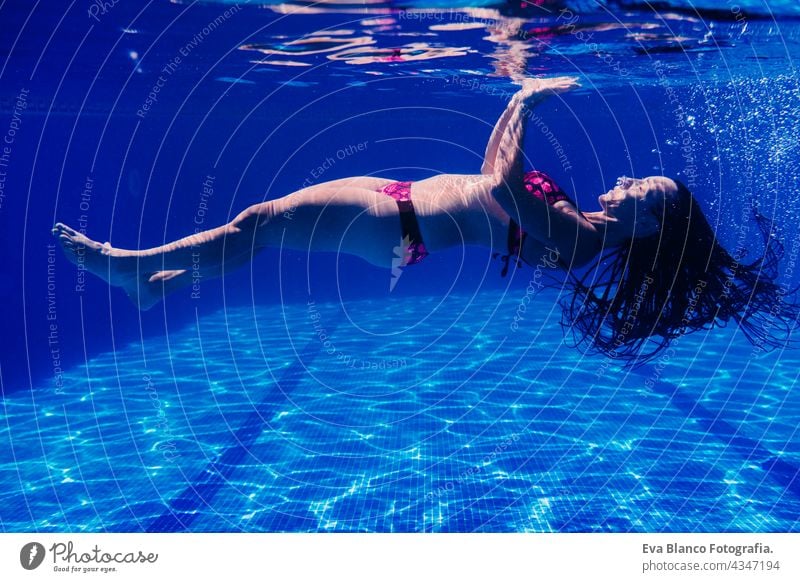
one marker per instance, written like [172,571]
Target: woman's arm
[529,86]
[509,134]
[494,140]
[558,229]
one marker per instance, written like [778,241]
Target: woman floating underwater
[658,270]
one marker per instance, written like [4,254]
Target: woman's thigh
[366,182]
[351,220]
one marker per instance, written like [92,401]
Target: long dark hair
[644,294]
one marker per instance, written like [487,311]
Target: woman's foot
[88,254]
[144,290]
[147,290]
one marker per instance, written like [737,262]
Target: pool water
[248,421]
[309,394]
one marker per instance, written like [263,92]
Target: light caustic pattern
[397,442]
[438,411]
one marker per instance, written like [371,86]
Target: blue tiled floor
[457,424]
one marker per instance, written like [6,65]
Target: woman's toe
[63,228]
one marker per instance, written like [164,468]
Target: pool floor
[404,416]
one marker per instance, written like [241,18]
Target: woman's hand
[503,152]
[534,90]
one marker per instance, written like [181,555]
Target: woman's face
[636,204]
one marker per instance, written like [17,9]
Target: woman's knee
[253,217]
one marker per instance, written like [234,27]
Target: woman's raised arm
[497,134]
[533,215]
[503,157]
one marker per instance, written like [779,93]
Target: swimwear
[542,187]
[409,227]
[539,184]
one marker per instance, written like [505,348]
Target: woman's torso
[455,209]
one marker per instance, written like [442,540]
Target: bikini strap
[516,238]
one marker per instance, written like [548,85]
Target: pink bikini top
[543,187]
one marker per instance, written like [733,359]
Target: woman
[660,271]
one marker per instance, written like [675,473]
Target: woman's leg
[328,217]
[147,291]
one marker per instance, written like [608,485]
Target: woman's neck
[607,227]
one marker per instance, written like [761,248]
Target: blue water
[245,421]
[302,394]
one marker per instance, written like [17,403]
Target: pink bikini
[409,227]
[539,184]
[542,187]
